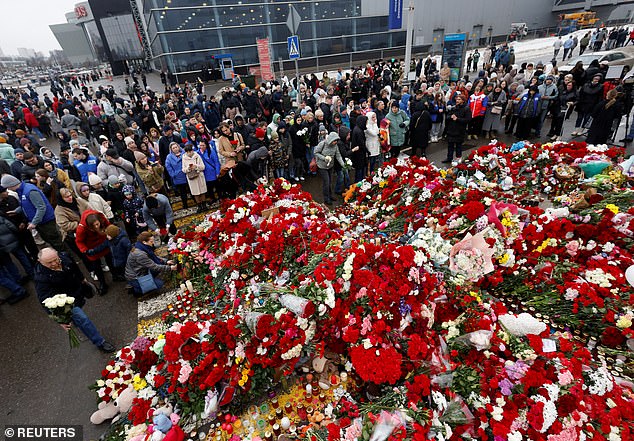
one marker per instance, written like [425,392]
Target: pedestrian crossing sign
[293,47]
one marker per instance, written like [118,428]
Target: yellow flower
[543,246]
[476,296]
[138,382]
[624,322]
[613,208]
[382,184]
[504,258]
[443,173]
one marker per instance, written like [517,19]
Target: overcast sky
[25,23]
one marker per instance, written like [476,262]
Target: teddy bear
[122,404]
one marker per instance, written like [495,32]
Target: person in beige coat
[194,167]
[95,201]
[68,215]
[231,145]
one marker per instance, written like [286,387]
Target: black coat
[602,119]
[589,97]
[456,130]
[357,139]
[48,283]
[420,126]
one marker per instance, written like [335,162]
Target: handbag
[313,165]
[496,110]
[146,283]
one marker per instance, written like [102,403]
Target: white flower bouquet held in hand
[60,309]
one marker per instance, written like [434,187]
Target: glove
[157,231]
[402,125]
[328,160]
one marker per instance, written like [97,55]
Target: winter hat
[199,126]
[20,132]
[24,141]
[274,136]
[167,128]
[260,133]
[112,152]
[128,189]
[3,138]
[112,230]
[103,138]
[139,155]
[127,140]
[18,150]
[322,128]
[73,143]
[94,180]
[9,181]
[113,180]
[282,125]
[332,137]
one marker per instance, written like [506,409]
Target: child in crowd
[133,212]
[120,247]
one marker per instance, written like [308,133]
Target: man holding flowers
[56,273]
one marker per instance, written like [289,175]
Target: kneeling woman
[143,261]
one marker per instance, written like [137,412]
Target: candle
[189,286]
[344,377]
[285,423]
[309,389]
[277,430]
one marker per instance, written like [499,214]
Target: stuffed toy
[122,404]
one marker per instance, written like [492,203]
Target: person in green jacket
[6,150]
[398,121]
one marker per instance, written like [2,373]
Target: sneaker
[302,178]
[105,268]
[107,347]
[296,179]
[94,276]
[42,139]
[626,139]
[554,137]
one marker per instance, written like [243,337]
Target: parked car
[621,56]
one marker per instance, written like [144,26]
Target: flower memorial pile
[433,305]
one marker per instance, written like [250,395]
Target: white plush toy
[110,410]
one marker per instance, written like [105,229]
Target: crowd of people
[127,159]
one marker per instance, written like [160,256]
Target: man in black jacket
[56,273]
[457,119]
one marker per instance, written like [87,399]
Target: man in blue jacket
[37,209]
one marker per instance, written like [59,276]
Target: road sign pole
[294,28]
[408,41]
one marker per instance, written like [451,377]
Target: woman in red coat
[91,240]
[32,123]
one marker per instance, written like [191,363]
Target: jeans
[343,181]
[540,121]
[9,281]
[37,132]
[95,266]
[326,181]
[24,260]
[436,129]
[582,119]
[81,320]
[280,172]
[137,288]
[359,173]
[454,146]
[376,162]
[309,157]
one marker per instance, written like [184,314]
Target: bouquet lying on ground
[60,309]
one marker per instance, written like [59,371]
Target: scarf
[149,251]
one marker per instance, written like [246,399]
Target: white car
[620,56]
